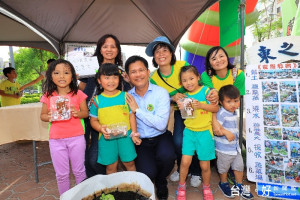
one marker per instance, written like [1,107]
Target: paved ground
[17,181]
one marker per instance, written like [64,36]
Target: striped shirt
[229,121]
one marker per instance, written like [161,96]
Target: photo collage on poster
[281,97]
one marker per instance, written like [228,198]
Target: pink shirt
[67,128]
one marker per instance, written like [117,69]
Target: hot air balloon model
[204,33]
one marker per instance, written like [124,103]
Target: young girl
[197,135]
[109,107]
[66,138]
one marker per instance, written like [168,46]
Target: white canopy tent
[49,24]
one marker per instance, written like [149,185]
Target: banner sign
[275,50]
[272,190]
[81,56]
[272,126]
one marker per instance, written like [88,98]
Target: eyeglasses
[134,72]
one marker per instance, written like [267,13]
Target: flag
[230,23]
[288,12]
[296,28]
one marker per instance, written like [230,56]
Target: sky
[4,53]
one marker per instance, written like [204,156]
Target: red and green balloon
[204,33]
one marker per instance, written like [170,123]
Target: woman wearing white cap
[167,76]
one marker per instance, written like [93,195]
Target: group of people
[149,104]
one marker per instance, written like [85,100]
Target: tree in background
[30,62]
[268,25]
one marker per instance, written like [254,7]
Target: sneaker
[181,193]
[195,181]
[225,188]
[207,194]
[162,193]
[245,192]
[174,176]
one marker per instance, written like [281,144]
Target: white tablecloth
[22,122]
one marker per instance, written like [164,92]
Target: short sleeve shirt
[172,79]
[111,109]
[10,88]
[203,118]
[67,128]
[217,82]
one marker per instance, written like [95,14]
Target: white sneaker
[174,176]
[195,181]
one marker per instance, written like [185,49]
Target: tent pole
[11,55]
[242,17]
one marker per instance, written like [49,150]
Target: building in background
[1,64]
[269,24]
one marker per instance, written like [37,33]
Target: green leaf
[107,197]
[30,62]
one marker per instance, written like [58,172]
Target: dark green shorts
[111,150]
